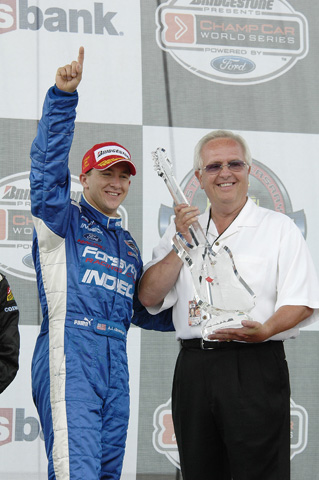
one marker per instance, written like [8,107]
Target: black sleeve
[9,335]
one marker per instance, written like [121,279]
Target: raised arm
[50,176]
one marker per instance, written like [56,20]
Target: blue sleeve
[50,175]
[161,322]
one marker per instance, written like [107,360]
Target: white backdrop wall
[160,73]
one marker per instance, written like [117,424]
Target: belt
[97,325]
[215,345]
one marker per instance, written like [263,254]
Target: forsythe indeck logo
[22,14]
[164,440]
[239,42]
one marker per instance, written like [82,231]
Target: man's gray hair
[198,161]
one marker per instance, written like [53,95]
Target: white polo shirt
[271,256]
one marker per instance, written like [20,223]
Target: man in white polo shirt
[231,394]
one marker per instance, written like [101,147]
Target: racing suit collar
[112,223]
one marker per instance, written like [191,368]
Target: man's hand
[286,317]
[68,77]
[250,332]
[185,216]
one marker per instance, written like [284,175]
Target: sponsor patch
[112,151]
[101,326]
[110,329]
[86,322]
[92,237]
[10,296]
[133,247]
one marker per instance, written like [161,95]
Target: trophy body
[223,296]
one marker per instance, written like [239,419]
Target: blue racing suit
[87,269]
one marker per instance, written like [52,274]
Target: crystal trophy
[222,295]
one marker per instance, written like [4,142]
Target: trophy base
[225,320]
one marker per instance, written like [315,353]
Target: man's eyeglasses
[233,166]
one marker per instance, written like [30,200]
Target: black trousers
[231,412]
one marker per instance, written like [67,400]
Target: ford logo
[234,65]
[92,237]
[28,261]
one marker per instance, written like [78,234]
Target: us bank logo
[16,427]
[25,15]
[241,42]
[164,440]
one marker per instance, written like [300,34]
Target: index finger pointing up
[81,55]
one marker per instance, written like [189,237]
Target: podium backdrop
[160,74]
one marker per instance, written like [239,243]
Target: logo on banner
[239,42]
[19,14]
[265,189]
[298,429]
[164,440]
[16,225]
[16,427]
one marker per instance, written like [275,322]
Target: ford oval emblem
[92,237]
[28,261]
[233,65]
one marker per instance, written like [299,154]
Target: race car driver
[87,269]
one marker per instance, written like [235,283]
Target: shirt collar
[112,223]
[248,217]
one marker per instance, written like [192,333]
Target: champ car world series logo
[241,42]
[164,440]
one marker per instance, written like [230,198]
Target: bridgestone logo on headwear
[114,151]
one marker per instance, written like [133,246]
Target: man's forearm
[159,279]
[286,317]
